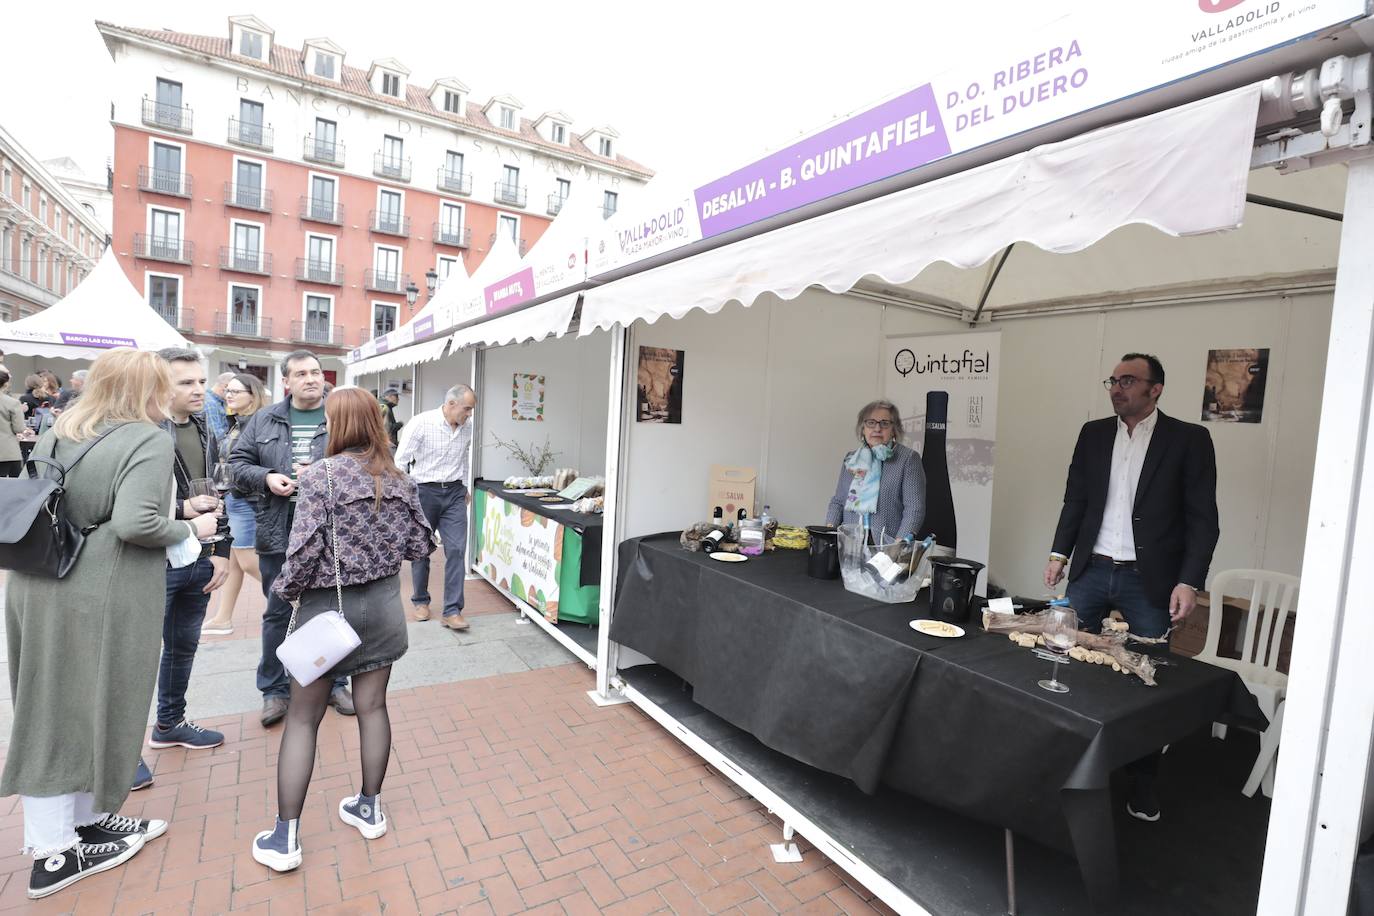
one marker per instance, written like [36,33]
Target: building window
[564,188]
[166,168]
[247,247]
[391,84]
[510,180]
[57,219]
[43,208]
[389,211]
[44,278]
[319,251]
[243,310]
[167,112]
[250,44]
[326,137]
[317,315]
[508,118]
[324,65]
[453,166]
[608,203]
[6,249]
[383,318]
[166,235]
[322,198]
[453,102]
[606,147]
[9,183]
[164,296]
[26,259]
[559,133]
[248,184]
[71,277]
[508,226]
[27,190]
[450,223]
[444,267]
[250,122]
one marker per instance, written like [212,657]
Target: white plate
[922,626]
[724,557]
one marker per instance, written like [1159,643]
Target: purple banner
[510,292]
[424,327]
[894,137]
[97,340]
[383,344]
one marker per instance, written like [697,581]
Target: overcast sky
[693,88]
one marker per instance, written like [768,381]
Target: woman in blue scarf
[882,480]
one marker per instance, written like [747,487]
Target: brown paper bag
[732,489]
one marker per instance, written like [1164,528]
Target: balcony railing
[389,223]
[165,181]
[184,321]
[250,133]
[326,152]
[556,204]
[384,166]
[167,117]
[457,236]
[512,194]
[519,244]
[322,211]
[238,324]
[319,272]
[164,248]
[455,182]
[382,282]
[245,261]
[317,333]
[608,211]
[247,197]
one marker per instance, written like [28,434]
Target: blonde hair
[121,386]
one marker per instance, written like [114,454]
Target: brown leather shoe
[273,710]
[421,612]
[455,622]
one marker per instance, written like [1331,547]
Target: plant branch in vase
[535,459]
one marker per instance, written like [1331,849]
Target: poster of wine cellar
[1234,390]
[660,385]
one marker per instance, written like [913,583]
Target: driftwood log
[1094,648]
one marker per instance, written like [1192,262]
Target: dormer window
[324,65]
[250,44]
[391,84]
[605,147]
[558,133]
[507,118]
[453,102]
[249,36]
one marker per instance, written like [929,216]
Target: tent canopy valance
[547,319]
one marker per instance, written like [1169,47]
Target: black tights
[296,759]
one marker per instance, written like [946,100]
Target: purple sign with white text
[424,327]
[510,292]
[97,340]
[383,344]
[894,137]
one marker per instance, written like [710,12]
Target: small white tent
[104,311]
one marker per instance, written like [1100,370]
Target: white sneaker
[216,631]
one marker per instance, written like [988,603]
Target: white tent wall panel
[435,378]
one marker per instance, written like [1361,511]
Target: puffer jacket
[264,447]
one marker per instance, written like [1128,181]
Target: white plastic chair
[1272,596]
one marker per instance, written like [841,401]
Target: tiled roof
[289,63]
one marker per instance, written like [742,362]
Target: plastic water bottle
[766,517]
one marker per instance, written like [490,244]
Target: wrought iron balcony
[319,272]
[240,324]
[245,261]
[389,223]
[317,333]
[556,204]
[382,282]
[384,166]
[247,197]
[512,194]
[320,210]
[326,152]
[519,244]
[167,117]
[164,248]
[165,181]
[185,321]
[457,236]
[250,133]
[455,182]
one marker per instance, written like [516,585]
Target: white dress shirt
[439,451]
[1116,537]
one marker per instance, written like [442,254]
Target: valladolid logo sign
[1217,6]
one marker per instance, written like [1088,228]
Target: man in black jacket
[276,444]
[1139,521]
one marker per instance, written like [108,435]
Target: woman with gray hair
[882,481]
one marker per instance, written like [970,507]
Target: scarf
[866,466]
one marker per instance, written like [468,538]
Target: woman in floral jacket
[379,523]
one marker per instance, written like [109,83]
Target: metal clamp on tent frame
[1320,96]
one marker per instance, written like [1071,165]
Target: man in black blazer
[1139,520]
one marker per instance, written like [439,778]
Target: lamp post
[431,281]
[412,293]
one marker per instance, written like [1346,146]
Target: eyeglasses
[236,391]
[1125,382]
[877,424]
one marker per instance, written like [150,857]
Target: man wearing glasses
[1139,520]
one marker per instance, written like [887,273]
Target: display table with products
[549,558]
[842,683]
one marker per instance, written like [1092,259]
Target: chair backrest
[1271,595]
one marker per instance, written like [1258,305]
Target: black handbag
[36,537]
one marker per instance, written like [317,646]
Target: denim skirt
[374,611]
[243,521]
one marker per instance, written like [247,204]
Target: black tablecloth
[587,525]
[841,682]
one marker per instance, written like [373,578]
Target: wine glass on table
[205,486]
[1061,635]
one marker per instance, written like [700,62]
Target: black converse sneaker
[114,828]
[70,865]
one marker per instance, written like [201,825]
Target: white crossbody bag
[326,638]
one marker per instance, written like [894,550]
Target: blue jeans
[446,510]
[1104,587]
[272,677]
[181,619]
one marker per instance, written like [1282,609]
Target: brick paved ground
[506,794]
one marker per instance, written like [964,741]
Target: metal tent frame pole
[617,471]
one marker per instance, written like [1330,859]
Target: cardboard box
[731,488]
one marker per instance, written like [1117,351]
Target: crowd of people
[308,482]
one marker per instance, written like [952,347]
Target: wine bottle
[718,517]
[939,520]
[711,543]
[884,568]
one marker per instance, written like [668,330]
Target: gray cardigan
[11,425]
[901,496]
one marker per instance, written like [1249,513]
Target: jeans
[446,510]
[181,620]
[1104,587]
[50,822]
[272,678]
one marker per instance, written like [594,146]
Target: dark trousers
[181,620]
[272,677]
[446,509]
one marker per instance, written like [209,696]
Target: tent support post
[1328,726]
[987,288]
[617,473]
[475,454]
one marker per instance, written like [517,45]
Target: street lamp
[431,281]
[412,293]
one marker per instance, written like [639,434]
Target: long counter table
[842,683]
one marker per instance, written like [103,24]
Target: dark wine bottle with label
[939,520]
[712,541]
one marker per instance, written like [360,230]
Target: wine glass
[1061,635]
[204,486]
[223,479]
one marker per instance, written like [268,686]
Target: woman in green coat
[83,650]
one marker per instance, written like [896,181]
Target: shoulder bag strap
[333,531]
[64,470]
